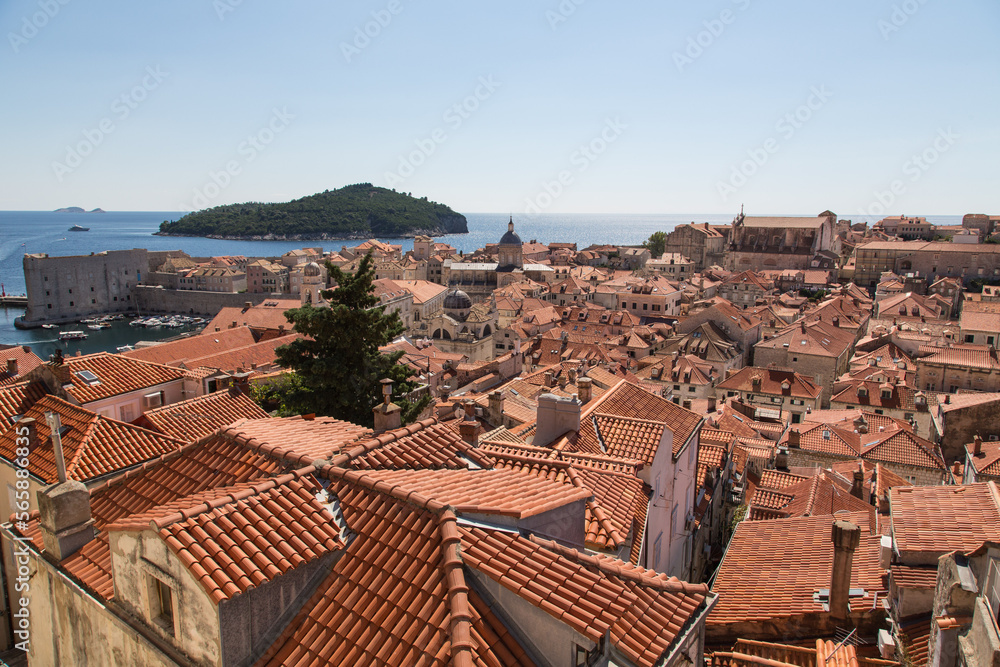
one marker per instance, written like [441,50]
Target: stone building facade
[65,289]
[758,243]
[932,260]
[703,244]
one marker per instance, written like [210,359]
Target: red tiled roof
[93,445]
[905,448]
[195,418]
[979,357]
[502,492]
[248,357]
[619,502]
[627,437]
[988,461]
[816,496]
[804,567]
[300,440]
[193,347]
[642,611]
[263,316]
[396,596]
[775,479]
[246,537]
[209,466]
[26,361]
[906,576]
[941,519]
[624,419]
[771,380]
[17,399]
[426,444]
[116,375]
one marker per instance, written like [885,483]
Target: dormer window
[826,435]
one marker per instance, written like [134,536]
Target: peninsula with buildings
[768,443]
[352,212]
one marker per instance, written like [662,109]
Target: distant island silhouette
[77,209]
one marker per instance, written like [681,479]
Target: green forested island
[351,212]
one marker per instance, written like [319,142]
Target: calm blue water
[42,231]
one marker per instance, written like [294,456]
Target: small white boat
[72,335]
[50,326]
[124,348]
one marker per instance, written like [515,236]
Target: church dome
[312,270]
[511,237]
[456,299]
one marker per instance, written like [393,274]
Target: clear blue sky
[680,128]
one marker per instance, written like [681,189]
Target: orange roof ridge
[146,465]
[381,440]
[257,489]
[631,573]
[394,491]
[458,590]
[631,419]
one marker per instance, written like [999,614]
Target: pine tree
[338,366]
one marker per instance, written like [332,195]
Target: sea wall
[155,299]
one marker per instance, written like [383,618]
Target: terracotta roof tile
[940,519]
[207,466]
[642,611]
[300,440]
[624,417]
[24,360]
[502,492]
[426,444]
[116,375]
[770,382]
[245,535]
[93,445]
[906,576]
[988,461]
[193,347]
[805,567]
[17,399]
[195,418]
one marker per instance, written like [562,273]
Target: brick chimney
[585,387]
[794,437]
[858,486]
[64,508]
[469,428]
[802,325]
[496,408]
[846,539]
[12,367]
[550,379]
[556,416]
[59,369]
[977,444]
[388,415]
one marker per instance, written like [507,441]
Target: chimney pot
[64,518]
[794,437]
[12,367]
[846,538]
[858,487]
[977,441]
[585,388]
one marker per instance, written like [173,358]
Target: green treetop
[656,244]
[338,365]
